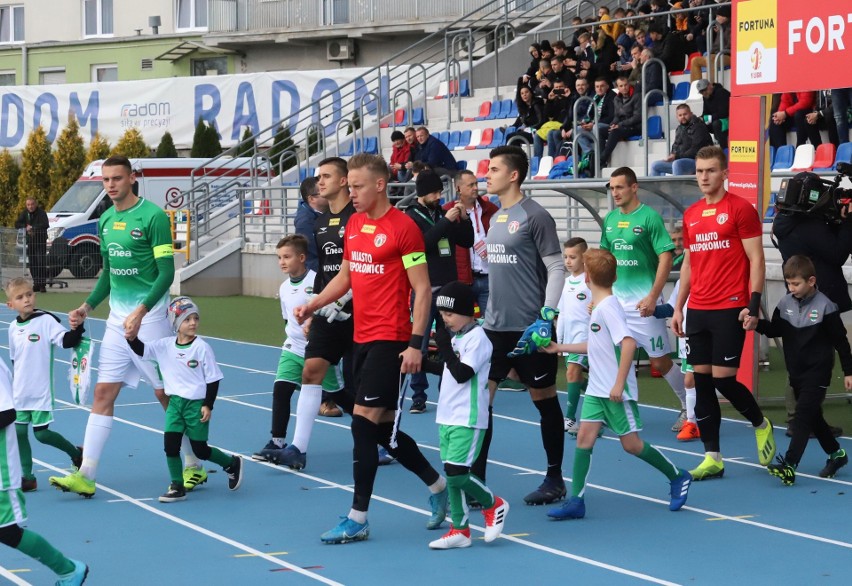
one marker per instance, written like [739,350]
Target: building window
[211,66]
[51,76]
[191,14]
[8,78]
[105,72]
[97,18]
[11,24]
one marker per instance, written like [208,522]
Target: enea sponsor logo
[117,251]
[146,115]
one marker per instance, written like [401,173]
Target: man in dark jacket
[434,153]
[690,136]
[669,47]
[828,245]
[34,220]
[442,232]
[717,107]
[627,120]
[472,263]
[311,206]
[604,101]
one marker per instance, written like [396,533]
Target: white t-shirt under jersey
[466,404]
[292,295]
[186,369]
[31,347]
[607,329]
[573,323]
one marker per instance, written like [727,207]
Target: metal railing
[383,81]
[577,130]
[647,95]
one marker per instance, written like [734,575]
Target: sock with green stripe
[582,464]
[38,548]
[573,399]
[655,458]
[23,433]
[58,441]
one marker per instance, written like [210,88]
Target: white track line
[13,578]
[203,531]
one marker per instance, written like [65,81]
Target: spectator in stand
[557,109]
[791,111]
[626,121]
[559,141]
[640,38]
[690,136]
[717,105]
[530,117]
[546,50]
[654,76]
[841,102]
[411,138]
[560,108]
[542,73]
[400,155]
[633,65]
[669,47]
[611,29]
[822,118]
[625,42]
[721,37]
[434,153]
[585,55]
[535,54]
[472,263]
[575,39]
[560,50]
[606,55]
[560,73]
[658,6]
[310,208]
[681,21]
[696,32]
[34,222]
[603,103]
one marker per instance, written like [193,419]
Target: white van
[72,237]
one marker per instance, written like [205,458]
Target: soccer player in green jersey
[138,269]
[635,234]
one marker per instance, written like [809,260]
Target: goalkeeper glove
[334,310]
[537,335]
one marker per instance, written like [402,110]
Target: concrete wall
[221,279]
[261,276]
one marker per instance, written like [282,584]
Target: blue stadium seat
[505,108]
[464,139]
[444,136]
[495,110]
[655,127]
[771,156]
[455,136]
[465,88]
[513,113]
[681,91]
[784,157]
[534,166]
[417,118]
[844,155]
[461,165]
[371,145]
[354,146]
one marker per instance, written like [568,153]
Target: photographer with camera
[821,230]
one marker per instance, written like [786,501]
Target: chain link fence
[13,257]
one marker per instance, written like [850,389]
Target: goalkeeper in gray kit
[525,279]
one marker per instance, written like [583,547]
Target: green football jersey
[636,240]
[131,242]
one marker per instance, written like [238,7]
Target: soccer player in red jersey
[723,254]
[384,258]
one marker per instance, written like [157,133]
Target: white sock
[307,408]
[98,429]
[189,459]
[438,486]
[675,379]
[690,404]
[715,455]
[279,442]
[358,516]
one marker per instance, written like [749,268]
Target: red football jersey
[713,234]
[379,253]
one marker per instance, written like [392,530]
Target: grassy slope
[257,319]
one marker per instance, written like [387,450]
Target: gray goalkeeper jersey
[519,237]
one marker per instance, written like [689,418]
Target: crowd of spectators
[604,62]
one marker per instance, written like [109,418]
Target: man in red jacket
[791,111]
[472,263]
[399,156]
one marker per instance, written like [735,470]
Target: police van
[72,237]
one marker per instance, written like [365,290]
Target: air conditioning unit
[340,50]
